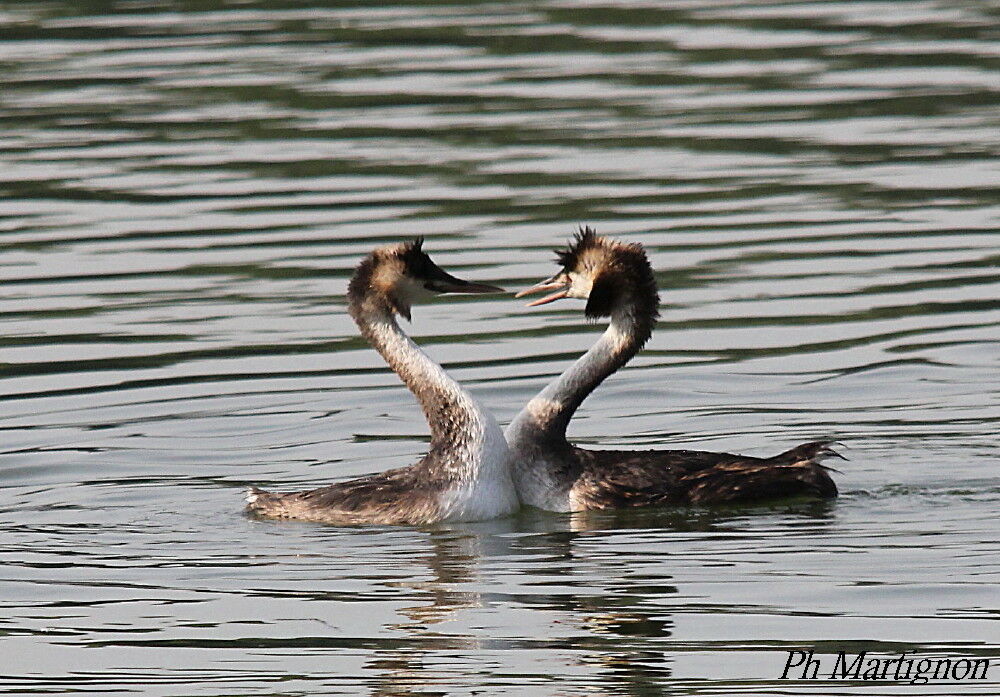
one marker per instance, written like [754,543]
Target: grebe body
[466,473]
[551,473]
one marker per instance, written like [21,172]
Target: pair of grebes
[474,470]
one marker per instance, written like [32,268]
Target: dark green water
[186,186]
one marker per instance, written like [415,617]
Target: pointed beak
[444,282]
[558,283]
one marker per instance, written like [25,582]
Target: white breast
[533,472]
[489,492]
[536,486]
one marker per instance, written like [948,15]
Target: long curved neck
[458,424]
[548,414]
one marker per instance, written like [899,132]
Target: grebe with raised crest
[551,473]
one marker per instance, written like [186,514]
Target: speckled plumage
[466,473]
[621,479]
[553,474]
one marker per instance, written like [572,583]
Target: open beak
[559,283]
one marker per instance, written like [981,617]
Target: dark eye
[420,265]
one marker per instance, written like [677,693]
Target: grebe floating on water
[466,473]
[551,473]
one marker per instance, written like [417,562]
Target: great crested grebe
[466,473]
[551,473]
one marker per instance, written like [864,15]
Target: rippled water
[186,187]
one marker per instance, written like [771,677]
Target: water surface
[186,188]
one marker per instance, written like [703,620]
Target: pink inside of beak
[561,288]
[549,298]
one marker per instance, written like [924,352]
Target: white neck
[547,415]
[467,444]
[439,395]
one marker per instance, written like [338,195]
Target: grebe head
[608,274]
[401,274]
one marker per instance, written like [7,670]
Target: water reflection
[594,627]
[616,627]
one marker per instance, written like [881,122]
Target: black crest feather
[623,272]
[585,238]
[416,261]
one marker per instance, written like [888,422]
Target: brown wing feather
[394,497]
[623,479]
